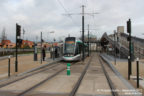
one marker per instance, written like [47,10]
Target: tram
[72,49]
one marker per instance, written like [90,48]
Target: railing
[12,50]
[124,50]
[4,51]
[138,48]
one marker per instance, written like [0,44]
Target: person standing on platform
[44,53]
[56,52]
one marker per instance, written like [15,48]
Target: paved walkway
[122,67]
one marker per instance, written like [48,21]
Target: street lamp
[50,33]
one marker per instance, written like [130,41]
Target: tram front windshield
[69,47]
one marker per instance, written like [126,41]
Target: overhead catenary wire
[70,14]
[92,20]
[62,5]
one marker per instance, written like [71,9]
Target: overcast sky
[50,15]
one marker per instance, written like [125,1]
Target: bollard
[53,53]
[9,66]
[137,72]
[35,52]
[68,69]
[128,67]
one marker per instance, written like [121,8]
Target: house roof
[12,44]
[55,44]
[28,42]
[6,42]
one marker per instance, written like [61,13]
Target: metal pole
[128,67]
[83,32]
[96,46]
[88,40]
[139,52]
[16,60]
[41,47]
[130,47]
[115,46]
[90,45]
[54,50]
[35,52]
[9,66]
[137,72]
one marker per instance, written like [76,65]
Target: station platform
[26,64]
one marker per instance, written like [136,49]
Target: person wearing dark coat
[44,53]
[56,53]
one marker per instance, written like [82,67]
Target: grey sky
[48,15]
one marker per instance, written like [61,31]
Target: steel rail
[33,87]
[49,67]
[38,84]
[74,90]
[111,85]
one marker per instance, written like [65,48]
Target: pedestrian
[50,52]
[43,53]
[56,52]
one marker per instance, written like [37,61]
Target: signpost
[35,52]
[137,72]
[130,52]
[18,33]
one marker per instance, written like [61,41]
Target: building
[7,44]
[0,45]
[27,44]
[55,44]
[92,38]
[48,45]
[11,45]
[44,44]
[120,29]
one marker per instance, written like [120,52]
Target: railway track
[43,81]
[74,90]
[38,84]
[101,69]
[31,74]
[35,73]
[111,85]
[118,84]
[48,78]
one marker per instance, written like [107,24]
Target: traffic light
[129,29]
[129,26]
[19,41]
[128,38]
[18,29]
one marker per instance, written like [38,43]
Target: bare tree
[3,36]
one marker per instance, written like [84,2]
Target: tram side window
[77,49]
[86,49]
[80,48]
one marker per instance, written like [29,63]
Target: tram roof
[78,41]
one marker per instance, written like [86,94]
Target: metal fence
[6,51]
[13,50]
